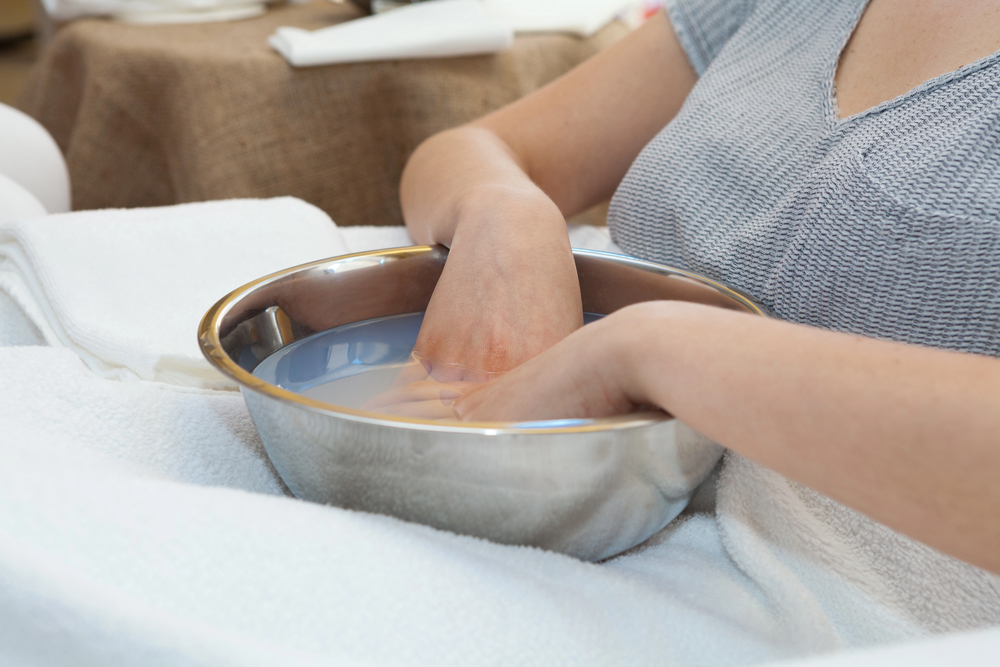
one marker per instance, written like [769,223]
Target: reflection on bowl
[589,488]
[350,365]
[347,365]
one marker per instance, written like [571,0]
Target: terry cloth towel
[579,17]
[54,409]
[151,532]
[125,289]
[141,526]
[98,567]
[425,30]
[101,568]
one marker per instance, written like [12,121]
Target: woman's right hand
[496,192]
[509,288]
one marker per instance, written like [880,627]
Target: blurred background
[17,46]
[167,112]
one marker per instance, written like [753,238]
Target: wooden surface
[155,115]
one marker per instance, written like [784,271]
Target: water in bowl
[353,364]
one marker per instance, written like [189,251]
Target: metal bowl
[588,488]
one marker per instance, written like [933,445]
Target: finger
[412,371]
[425,390]
[415,391]
[446,371]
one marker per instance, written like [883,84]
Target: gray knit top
[884,224]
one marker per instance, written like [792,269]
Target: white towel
[103,564]
[52,408]
[154,11]
[125,289]
[141,526]
[423,30]
[579,17]
[227,12]
[107,557]
[835,578]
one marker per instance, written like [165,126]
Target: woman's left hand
[903,433]
[584,375]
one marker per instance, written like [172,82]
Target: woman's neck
[900,44]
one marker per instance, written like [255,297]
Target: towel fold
[424,30]
[125,289]
[579,17]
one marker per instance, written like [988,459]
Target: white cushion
[30,157]
[16,202]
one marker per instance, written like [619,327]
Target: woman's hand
[585,375]
[416,394]
[509,289]
[497,192]
[902,433]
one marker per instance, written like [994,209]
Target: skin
[908,435]
[497,192]
[899,44]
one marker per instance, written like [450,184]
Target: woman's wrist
[517,212]
[650,340]
[458,171]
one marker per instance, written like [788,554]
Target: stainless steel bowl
[588,488]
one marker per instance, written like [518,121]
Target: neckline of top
[832,109]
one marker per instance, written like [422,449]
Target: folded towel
[155,11]
[579,17]
[125,289]
[424,30]
[228,12]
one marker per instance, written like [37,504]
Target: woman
[838,160]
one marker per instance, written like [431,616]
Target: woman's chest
[761,132]
[886,223]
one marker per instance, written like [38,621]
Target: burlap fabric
[154,115]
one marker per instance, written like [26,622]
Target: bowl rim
[211,347]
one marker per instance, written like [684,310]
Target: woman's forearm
[562,148]
[456,169]
[509,289]
[907,435]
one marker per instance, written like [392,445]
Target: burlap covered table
[154,115]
